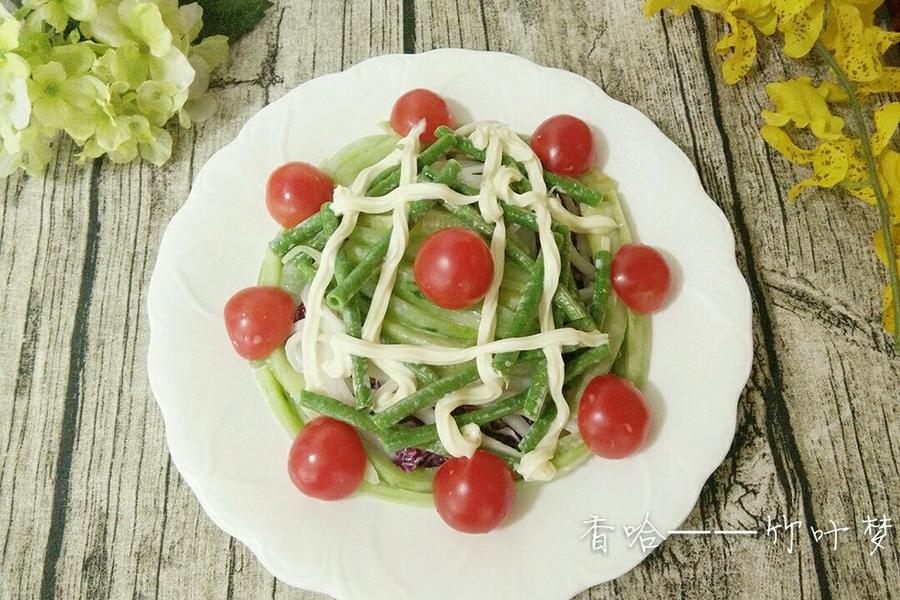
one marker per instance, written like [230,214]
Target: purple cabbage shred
[410,459]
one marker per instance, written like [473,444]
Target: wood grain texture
[90,505]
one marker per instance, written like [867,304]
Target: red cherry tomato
[612,417]
[474,495]
[453,268]
[565,145]
[258,320]
[641,277]
[415,105]
[296,191]
[327,459]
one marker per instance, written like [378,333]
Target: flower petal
[741,43]
[781,142]
[797,101]
[887,118]
[801,23]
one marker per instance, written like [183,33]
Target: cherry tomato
[258,320]
[415,105]
[474,495]
[612,417]
[565,145]
[327,459]
[296,191]
[454,268]
[641,277]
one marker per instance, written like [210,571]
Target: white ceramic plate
[232,453]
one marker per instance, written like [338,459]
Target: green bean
[296,236]
[524,317]
[305,266]
[538,429]
[336,409]
[585,361]
[573,188]
[425,374]
[371,262]
[419,437]
[562,247]
[351,314]
[602,262]
[425,396]
[390,178]
[446,174]
[537,391]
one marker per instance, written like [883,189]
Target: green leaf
[231,18]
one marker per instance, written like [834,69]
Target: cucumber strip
[419,480]
[292,381]
[398,495]
[270,272]
[280,405]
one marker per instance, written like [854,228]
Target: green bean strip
[585,361]
[423,373]
[573,188]
[538,429]
[537,391]
[371,262]
[559,317]
[420,437]
[389,179]
[602,261]
[304,264]
[425,396]
[351,314]
[524,317]
[296,236]
[336,409]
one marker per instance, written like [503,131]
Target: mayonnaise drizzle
[496,140]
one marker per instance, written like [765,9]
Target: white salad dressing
[495,181]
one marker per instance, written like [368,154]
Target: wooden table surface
[90,504]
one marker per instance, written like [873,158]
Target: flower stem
[884,210]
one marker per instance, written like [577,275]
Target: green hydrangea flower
[110,74]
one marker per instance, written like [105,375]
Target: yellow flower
[889,169]
[856,43]
[761,13]
[887,317]
[797,101]
[801,24]
[740,44]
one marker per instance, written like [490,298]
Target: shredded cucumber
[278,402]
[412,319]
